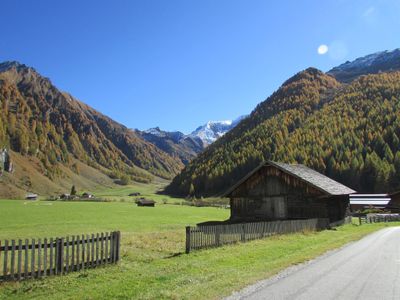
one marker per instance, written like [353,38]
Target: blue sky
[177,64]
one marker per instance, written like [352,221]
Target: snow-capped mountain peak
[213,130]
[383,61]
[155,131]
[203,135]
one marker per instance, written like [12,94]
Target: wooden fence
[35,259]
[378,218]
[208,236]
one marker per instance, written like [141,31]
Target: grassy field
[19,219]
[146,190]
[153,265]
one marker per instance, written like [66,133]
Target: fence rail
[208,236]
[56,256]
[378,218]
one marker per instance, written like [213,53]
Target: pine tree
[73,191]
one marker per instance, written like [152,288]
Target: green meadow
[146,190]
[38,219]
[153,264]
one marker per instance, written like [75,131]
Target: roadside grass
[153,265]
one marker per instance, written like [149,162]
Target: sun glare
[322,49]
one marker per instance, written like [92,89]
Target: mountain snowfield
[383,61]
[187,146]
[207,133]
[213,130]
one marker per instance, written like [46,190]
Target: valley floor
[153,265]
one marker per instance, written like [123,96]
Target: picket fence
[56,256]
[208,236]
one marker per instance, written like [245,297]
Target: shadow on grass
[174,255]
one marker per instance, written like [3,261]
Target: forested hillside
[348,131]
[39,121]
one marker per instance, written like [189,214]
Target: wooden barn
[145,202]
[278,191]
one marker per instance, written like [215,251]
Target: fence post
[218,235]
[243,237]
[359,220]
[118,245]
[5,254]
[187,239]
[59,255]
[114,246]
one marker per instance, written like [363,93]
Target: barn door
[280,207]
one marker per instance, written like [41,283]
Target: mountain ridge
[347,130]
[188,146]
[379,62]
[174,143]
[38,120]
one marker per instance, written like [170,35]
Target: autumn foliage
[350,132]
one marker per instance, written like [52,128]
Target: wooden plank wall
[40,258]
[209,236]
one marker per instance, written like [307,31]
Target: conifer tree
[73,191]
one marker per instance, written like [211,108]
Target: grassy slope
[152,266]
[28,176]
[14,185]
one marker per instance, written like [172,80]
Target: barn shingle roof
[310,176]
[320,181]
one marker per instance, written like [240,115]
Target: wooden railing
[208,236]
[378,218]
[56,256]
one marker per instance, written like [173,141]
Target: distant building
[65,196]
[359,202]
[87,196]
[134,194]
[279,191]
[394,203]
[31,197]
[145,202]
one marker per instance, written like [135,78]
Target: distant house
[394,203]
[65,196]
[87,196]
[145,202]
[278,191]
[359,202]
[31,196]
[134,194]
